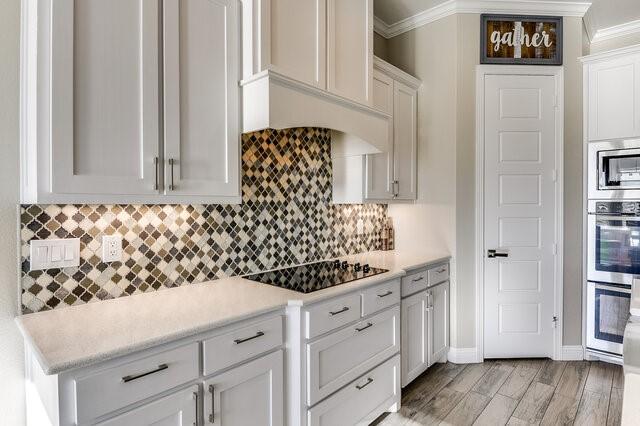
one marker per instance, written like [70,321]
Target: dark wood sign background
[542,37]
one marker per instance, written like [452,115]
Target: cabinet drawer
[231,348]
[380,297]
[329,315]
[438,274]
[414,282]
[362,400]
[104,391]
[335,360]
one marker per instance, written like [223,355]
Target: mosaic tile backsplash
[286,218]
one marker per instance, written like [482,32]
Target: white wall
[11,356]
[444,55]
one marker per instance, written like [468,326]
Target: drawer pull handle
[212,416]
[369,381]
[388,293]
[441,270]
[369,324]
[415,280]
[258,334]
[345,309]
[195,397]
[133,377]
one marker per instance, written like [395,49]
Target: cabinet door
[202,141]
[439,321]
[614,98]
[350,49]
[405,140]
[249,395]
[415,336]
[104,96]
[379,167]
[178,409]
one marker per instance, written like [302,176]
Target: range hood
[272,100]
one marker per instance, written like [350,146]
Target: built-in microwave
[614,170]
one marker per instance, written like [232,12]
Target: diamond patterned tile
[286,217]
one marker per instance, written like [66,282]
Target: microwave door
[619,169]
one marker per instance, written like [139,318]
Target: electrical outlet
[111,248]
[360,227]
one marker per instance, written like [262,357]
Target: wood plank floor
[512,392]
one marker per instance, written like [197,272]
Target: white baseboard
[463,355]
[572,353]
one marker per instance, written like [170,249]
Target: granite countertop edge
[34,327]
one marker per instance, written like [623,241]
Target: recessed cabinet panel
[104,96]
[201,98]
[379,167]
[350,49]
[405,141]
[415,336]
[439,322]
[298,40]
[614,98]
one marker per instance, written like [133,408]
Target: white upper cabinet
[350,49]
[405,129]
[104,96]
[613,95]
[287,36]
[93,117]
[201,98]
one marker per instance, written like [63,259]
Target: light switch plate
[54,253]
[111,248]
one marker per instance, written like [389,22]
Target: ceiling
[602,13]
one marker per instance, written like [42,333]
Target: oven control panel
[627,208]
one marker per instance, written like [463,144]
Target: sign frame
[556,60]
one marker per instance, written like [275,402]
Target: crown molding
[623,51]
[451,7]
[616,31]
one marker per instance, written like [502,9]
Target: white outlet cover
[111,248]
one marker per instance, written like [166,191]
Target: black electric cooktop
[316,276]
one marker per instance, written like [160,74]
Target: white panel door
[248,395]
[439,300]
[614,98]
[415,336]
[379,167]
[202,140]
[519,215]
[178,409]
[405,112]
[104,96]
[350,49]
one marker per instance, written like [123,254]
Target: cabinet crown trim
[396,73]
[611,54]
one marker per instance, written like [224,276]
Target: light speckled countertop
[78,336]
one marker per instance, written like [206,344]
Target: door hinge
[555,100]
[554,248]
[554,175]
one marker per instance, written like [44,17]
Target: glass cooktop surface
[316,276]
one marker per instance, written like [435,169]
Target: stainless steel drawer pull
[369,324]
[441,270]
[156,161]
[195,397]
[133,377]
[388,293]
[369,381]
[345,309]
[258,334]
[415,280]
[212,416]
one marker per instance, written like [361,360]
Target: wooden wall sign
[522,40]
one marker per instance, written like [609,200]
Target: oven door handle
[613,288]
[615,217]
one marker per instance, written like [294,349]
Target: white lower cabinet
[178,409]
[415,336]
[424,328]
[359,402]
[249,395]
